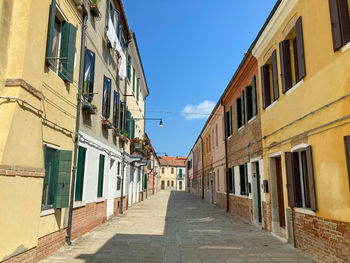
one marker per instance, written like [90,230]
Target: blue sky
[190,50]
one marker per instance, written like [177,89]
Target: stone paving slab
[176,227]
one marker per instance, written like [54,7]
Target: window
[133,79]
[128,69]
[180,173]
[217,135]
[168,183]
[292,57]
[172,170]
[128,123]
[57,178]
[340,22]
[115,109]
[121,116]
[89,72]
[251,100]
[240,110]
[119,182]
[101,167]
[231,180]
[60,47]
[106,100]
[162,170]
[217,180]
[243,175]
[172,183]
[228,122]
[269,81]
[118,169]
[300,179]
[137,89]
[79,183]
[347,154]
[132,128]
[209,143]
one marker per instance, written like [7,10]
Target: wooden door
[280,192]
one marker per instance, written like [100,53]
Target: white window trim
[100,199]
[77,204]
[229,137]
[271,105]
[47,212]
[301,82]
[304,211]
[299,147]
[276,154]
[52,146]
[345,48]
[254,160]
[252,119]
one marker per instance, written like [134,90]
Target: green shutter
[137,89]
[145,182]
[80,174]
[52,16]
[128,116]
[64,167]
[101,168]
[180,171]
[133,80]
[67,52]
[129,68]
[50,179]
[132,128]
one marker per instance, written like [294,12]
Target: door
[258,190]
[180,185]
[211,191]
[163,185]
[112,178]
[280,192]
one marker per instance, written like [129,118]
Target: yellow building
[169,173]
[40,44]
[304,67]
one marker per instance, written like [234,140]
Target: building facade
[169,173]
[181,178]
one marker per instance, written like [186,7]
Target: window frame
[89,96]
[106,109]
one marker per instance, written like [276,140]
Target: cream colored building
[169,172]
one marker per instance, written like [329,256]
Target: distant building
[172,173]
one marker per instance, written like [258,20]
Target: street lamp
[152,119]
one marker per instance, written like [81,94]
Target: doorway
[163,185]
[180,185]
[277,196]
[112,177]
[212,188]
[256,184]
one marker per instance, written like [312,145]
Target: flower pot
[88,107]
[94,10]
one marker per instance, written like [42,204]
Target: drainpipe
[226,161]
[77,123]
[123,153]
[202,169]
[293,225]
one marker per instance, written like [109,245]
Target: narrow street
[176,227]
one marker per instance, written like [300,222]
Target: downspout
[202,168]
[77,123]
[226,161]
[123,128]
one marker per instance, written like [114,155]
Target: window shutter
[227,123]
[121,117]
[127,123]
[254,98]
[300,48]
[129,68]
[64,159]
[67,52]
[249,102]
[230,121]
[229,174]
[80,174]
[344,20]
[101,168]
[137,89]
[107,14]
[133,80]
[276,93]
[293,180]
[265,86]
[339,22]
[52,16]
[347,154]
[286,70]
[243,107]
[239,112]
[310,174]
[132,128]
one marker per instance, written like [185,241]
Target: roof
[172,161]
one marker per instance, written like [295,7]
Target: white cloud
[200,111]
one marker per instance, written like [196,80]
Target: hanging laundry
[111,35]
[122,67]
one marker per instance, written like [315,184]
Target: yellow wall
[327,79]
[167,175]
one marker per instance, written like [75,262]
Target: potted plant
[94,7]
[89,107]
[107,124]
[117,132]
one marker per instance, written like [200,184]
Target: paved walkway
[176,227]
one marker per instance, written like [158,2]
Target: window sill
[77,204]
[47,212]
[304,211]
[100,199]
[241,128]
[271,105]
[345,48]
[301,82]
[229,137]
[252,119]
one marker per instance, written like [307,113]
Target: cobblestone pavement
[176,227]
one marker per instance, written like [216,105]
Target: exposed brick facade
[241,206]
[327,240]
[266,212]
[50,243]
[87,217]
[25,257]
[221,200]
[117,203]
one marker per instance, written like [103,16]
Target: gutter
[77,123]
[226,161]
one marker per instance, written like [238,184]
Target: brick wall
[117,202]
[241,206]
[325,239]
[221,200]
[25,257]
[50,243]
[267,216]
[87,217]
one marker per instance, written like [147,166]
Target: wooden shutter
[129,68]
[347,154]
[101,167]
[300,48]
[249,102]
[246,178]
[243,107]
[133,79]
[127,123]
[115,109]
[276,93]
[107,14]
[310,174]
[137,89]
[265,86]
[80,174]
[239,112]
[230,189]
[254,97]
[64,167]
[286,70]
[227,116]
[132,128]
[52,15]
[293,180]
[344,20]
[230,121]
[340,23]
[67,52]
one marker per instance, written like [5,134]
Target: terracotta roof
[172,161]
